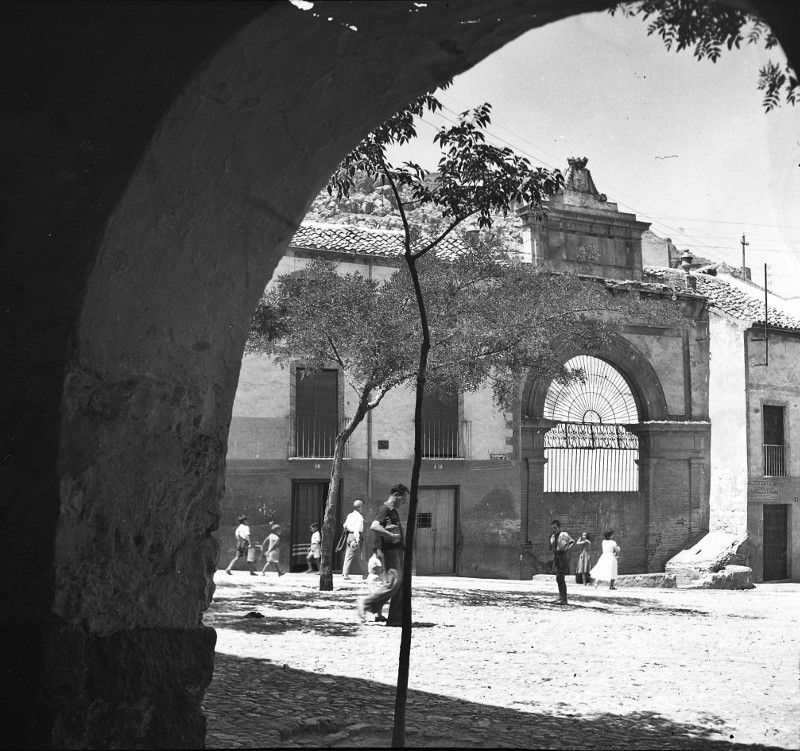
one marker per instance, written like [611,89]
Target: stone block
[657,580]
[730,577]
[712,553]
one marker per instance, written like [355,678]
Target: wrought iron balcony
[774,465]
[315,439]
[446,439]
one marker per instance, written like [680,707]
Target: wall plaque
[762,491]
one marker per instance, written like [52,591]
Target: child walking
[314,550]
[272,550]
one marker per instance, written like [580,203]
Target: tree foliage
[709,27]
[492,323]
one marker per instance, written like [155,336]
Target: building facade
[629,449]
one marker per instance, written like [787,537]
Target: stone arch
[631,364]
[159,169]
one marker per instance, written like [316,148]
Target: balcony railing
[774,465]
[445,439]
[315,439]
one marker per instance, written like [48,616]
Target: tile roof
[738,303]
[348,238]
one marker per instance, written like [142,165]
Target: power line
[672,231]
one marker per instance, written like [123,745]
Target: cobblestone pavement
[498,663]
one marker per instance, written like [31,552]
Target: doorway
[435,538]
[308,507]
[776,539]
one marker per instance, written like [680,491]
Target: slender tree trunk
[329,529]
[329,519]
[404,662]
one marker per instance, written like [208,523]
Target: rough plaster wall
[728,414]
[260,423]
[487,425]
[665,354]
[776,384]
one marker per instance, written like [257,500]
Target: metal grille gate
[585,457]
[591,450]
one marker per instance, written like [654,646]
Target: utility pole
[744,265]
[766,320]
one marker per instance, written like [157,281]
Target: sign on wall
[762,491]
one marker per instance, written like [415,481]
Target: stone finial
[579,179]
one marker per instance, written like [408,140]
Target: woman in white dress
[606,567]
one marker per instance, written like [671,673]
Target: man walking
[354,527]
[560,543]
[388,533]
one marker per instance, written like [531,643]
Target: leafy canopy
[492,322]
[708,27]
[473,178]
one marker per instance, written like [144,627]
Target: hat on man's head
[357,504]
[242,519]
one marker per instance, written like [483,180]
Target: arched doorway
[591,449]
[584,451]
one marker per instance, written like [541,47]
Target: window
[316,420]
[591,450]
[440,426]
[774,459]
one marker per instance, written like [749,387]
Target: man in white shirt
[354,526]
[242,545]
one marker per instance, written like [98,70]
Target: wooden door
[434,543]
[308,506]
[776,540]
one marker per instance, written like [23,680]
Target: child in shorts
[314,549]
[378,579]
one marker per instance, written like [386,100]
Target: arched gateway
[591,448]
[627,445]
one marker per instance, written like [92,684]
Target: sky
[683,144]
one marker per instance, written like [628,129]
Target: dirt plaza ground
[498,663]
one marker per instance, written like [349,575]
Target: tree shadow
[538,599]
[256,703]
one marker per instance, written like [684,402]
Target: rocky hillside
[373,205]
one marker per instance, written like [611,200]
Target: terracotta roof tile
[347,238]
[734,301]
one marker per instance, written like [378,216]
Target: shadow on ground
[255,703]
[578,598]
[233,598]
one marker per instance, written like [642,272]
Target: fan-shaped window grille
[591,450]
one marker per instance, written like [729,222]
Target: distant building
[648,445]
[754,407]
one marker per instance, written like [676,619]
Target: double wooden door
[435,537]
